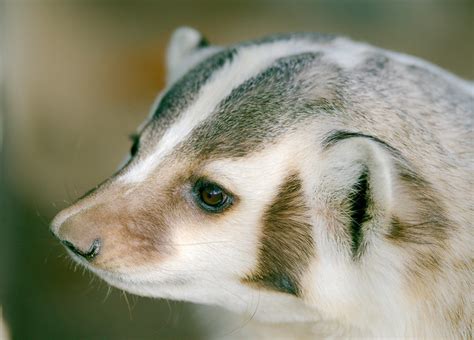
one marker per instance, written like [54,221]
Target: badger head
[256,184]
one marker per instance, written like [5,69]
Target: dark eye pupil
[212,195]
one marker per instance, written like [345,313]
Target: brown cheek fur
[133,225]
[141,235]
[287,244]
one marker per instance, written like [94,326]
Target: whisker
[246,321]
[192,244]
[107,294]
[124,294]
[170,312]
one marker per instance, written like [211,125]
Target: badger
[299,179]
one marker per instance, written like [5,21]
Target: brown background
[77,77]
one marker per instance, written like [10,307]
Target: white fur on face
[213,255]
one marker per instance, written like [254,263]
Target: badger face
[252,187]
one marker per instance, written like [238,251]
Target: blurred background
[77,77]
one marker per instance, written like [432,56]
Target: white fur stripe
[247,63]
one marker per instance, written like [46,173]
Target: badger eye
[211,197]
[135,142]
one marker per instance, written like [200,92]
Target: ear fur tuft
[185,42]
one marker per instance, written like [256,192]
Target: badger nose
[80,232]
[88,254]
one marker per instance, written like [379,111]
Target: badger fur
[319,185]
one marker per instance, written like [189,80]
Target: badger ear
[186,48]
[352,191]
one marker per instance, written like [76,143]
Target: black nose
[89,254]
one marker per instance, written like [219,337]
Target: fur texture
[350,169]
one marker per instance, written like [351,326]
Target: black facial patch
[286,243]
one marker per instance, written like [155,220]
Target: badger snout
[78,234]
[114,230]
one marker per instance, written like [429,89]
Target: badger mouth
[137,282]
